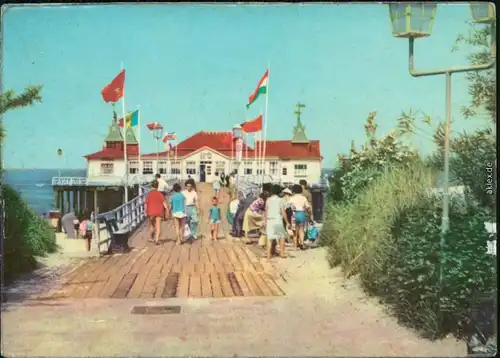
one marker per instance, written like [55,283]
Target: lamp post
[414,21]
[237,136]
[59,154]
[157,134]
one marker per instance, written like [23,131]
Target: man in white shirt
[162,184]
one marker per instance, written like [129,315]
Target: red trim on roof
[114,153]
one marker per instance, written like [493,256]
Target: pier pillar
[76,201]
[68,200]
[85,192]
[61,201]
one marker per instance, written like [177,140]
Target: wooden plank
[183,287]
[124,286]
[88,281]
[203,254]
[138,266]
[243,258]
[170,286]
[233,259]
[214,259]
[120,270]
[251,284]
[206,285]
[262,285]
[103,277]
[243,284]
[165,271]
[216,285]
[225,285]
[273,286]
[136,289]
[195,286]
[209,267]
[154,276]
[184,256]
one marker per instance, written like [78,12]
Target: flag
[261,89]
[115,90]
[131,119]
[154,125]
[253,125]
[172,136]
[169,136]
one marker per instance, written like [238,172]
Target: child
[214,218]
[86,227]
[216,185]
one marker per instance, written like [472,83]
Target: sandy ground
[321,314]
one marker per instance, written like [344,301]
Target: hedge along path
[201,269]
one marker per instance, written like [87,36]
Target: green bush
[359,232]
[27,235]
[409,278]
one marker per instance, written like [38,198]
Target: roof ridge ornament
[299,130]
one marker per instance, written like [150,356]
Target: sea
[35,185]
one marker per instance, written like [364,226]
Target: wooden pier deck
[202,269]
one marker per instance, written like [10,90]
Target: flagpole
[175,160]
[232,153]
[139,138]
[125,156]
[265,123]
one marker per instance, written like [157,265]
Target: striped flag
[169,136]
[260,89]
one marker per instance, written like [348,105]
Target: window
[106,168]
[133,167]
[162,167]
[247,171]
[191,168]
[220,166]
[284,171]
[147,167]
[300,170]
[248,163]
[259,171]
[175,167]
[273,168]
[209,170]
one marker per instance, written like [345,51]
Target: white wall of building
[286,171]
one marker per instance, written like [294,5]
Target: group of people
[278,214]
[182,206]
[228,181]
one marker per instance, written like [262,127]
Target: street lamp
[157,134]
[415,21]
[238,137]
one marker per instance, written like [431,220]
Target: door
[203,175]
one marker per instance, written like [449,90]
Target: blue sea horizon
[35,185]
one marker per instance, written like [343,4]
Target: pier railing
[124,219]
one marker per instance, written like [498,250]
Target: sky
[192,68]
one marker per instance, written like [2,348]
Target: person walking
[216,185]
[214,218]
[162,185]
[275,214]
[156,209]
[301,209]
[192,207]
[178,210]
[254,216]
[307,194]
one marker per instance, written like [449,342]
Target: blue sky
[192,67]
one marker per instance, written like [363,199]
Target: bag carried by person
[312,233]
[187,232]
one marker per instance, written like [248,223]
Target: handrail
[68,181]
[127,216]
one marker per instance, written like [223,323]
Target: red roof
[114,153]
[221,142]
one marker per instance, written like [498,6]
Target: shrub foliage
[26,235]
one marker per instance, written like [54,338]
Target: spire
[299,131]
[114,134]
[130,135]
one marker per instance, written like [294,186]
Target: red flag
[253,126]
[154,125]
[115,90]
